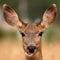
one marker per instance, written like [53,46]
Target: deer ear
[49,16]
[11,16]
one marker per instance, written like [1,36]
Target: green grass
[52,34]
[7,33]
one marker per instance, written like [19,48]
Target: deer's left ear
[49,16]
[11,17]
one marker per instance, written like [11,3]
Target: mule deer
[31,33]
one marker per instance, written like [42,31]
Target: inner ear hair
[48,17]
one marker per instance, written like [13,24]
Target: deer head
[31,33]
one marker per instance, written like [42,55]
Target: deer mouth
[29,54]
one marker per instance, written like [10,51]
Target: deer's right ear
[48,17]
[11,16]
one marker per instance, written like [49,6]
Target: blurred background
[29,11]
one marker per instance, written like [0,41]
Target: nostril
[31,49]
[34,47]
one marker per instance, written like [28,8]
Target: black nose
[31,49]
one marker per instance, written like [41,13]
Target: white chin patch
[28,54]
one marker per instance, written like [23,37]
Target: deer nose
[31,49]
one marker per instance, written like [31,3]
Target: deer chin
[29,54]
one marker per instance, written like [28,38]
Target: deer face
[31,39]
[31,33]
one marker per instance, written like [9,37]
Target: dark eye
[22,34]
[40,34]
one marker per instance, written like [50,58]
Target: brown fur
[31,33]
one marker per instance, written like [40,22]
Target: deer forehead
[31,29]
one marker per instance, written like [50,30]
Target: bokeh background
[29,11]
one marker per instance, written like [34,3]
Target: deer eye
[22,34]
[40,34]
